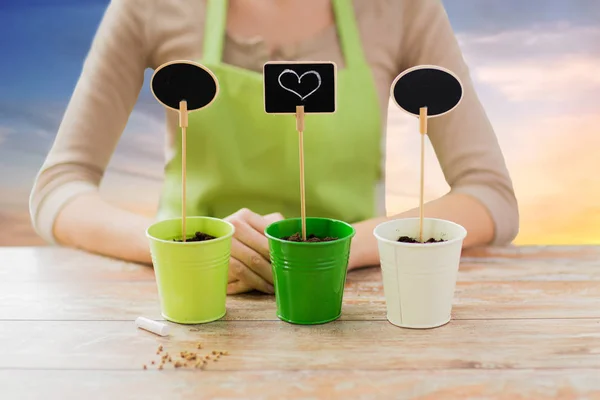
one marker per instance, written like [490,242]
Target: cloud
[539,87]
[16,226]
[494,16]
[17,173]
[557,184]
[4,133]
[532,42]
[34,124]
[567,77]
[566,154]
[43,115]
[553,167]
[549,63]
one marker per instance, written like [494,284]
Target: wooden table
[526,325]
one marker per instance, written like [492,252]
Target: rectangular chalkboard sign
[291,84]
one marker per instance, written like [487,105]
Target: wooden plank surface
[562,263]
[526,325]
[61,284]
[271,345]
[305,384]
[128,300]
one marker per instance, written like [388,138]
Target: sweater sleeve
[97,113]
[464,140]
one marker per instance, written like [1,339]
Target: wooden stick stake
[423,130]
[300,129]
[183,123]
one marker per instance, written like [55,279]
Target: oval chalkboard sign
[180,80]
[429,86]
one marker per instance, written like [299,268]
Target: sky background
[535,64]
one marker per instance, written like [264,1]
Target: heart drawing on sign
[289,71]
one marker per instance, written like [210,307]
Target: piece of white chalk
[152,326]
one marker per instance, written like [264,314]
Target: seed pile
[187,359]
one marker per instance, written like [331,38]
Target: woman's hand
[250,266]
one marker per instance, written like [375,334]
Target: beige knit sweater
[139,34]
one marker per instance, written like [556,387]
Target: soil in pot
[198,237]
[407,239]
[297,237]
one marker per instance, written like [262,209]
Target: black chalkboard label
[175,81]
[309,84]
[429,86]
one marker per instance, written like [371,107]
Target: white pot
[419,278]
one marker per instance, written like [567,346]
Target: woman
[233,174]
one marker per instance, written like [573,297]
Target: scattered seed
[188,358]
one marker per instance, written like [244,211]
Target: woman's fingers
[254,240]
[243,221]
[252,260]
[230,276]
[274,217]
[249,229]
[255,237]
[246,275]
[238,287]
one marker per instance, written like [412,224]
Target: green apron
[240,157]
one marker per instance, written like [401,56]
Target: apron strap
[348,33]
[214,31]
[215,22]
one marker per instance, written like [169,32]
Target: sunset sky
[535,64]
